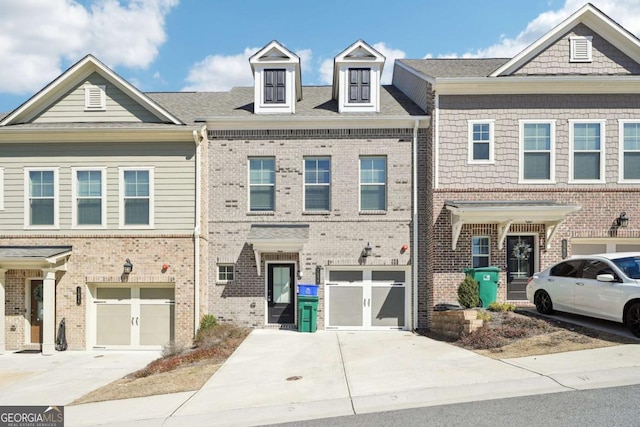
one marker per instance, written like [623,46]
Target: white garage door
[367,299]
[603,246]
[134,317]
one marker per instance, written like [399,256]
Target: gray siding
[174,181]
[413,86]
[120,107]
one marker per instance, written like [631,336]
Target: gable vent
[580,49]
[94,98]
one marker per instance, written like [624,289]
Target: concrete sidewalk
[282,376]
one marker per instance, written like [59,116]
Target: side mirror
[605,278]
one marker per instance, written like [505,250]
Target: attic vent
[580,49]
[94,98]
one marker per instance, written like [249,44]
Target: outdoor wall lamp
[128,267]
[366,252]
[622,220]
[78,295]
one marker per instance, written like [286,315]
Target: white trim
[249,158]
[74,196]
[121,197]
[603,140]
[27,197]
[304,183]
[386,183]
[93,93]
[294,289]
[621,152]
[470,141]
[576,51]
[1,188]
[552,152]
[225,264]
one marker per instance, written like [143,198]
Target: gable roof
[80,70]
[359,51]
[455,67]
[275,53]
[588,15]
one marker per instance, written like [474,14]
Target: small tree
[468,293]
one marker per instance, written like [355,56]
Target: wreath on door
[521,251]
[37,293]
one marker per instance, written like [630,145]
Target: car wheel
[543,303]
[632,319]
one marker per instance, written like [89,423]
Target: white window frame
[552,152]
[93,92]
[233,273]
[621,152]
[121,198]
[1,189]
[488,256]
[305,184]
[603,138]
[74,196]
[574,52]
[56,198]
[385,184]
[470,124]
[249,185]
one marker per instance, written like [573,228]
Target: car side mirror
[605,278]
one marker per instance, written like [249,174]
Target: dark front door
[280,293]
[37,293]
[521,254]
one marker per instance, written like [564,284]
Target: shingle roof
[456,67]
[32,251]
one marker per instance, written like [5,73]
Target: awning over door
[505,213]
[34,257]
[277,238]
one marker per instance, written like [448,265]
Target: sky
[204,45]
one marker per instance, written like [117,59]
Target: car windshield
[630,266]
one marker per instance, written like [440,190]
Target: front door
[37,293]
[280,293]
[520,265]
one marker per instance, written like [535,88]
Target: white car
[606,286]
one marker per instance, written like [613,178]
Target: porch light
[128,267]
[622,220]
[366,252]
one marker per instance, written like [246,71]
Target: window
[95,97]
[373,183]
[317,183]
[580,49]
[88,190]
[480,141]
[359,85]
[225,272]
[262,184]
[537,141]
[274,87]
[630,151]
[42,197]
[588,151]
[479,252]
[136,197]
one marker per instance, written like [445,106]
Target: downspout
[436,145]
[197,138]
[414,245]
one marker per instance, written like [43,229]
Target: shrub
[483,339]
[468,295]
[172,349]
[483,315]
[501,306]
[207,322]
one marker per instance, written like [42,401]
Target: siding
[174,181]
[413,86]
[119,108]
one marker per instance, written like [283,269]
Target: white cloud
[326,67]
[36,37]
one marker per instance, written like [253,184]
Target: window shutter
[274,86]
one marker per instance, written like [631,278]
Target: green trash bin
[307,308]
[487,278]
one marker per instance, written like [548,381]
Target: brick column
[49,312]
[2,311]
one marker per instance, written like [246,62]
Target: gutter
[414,244]
[197,138]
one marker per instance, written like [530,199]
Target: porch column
[49,312]
[2,311]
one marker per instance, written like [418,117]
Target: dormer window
[275,87]
[95,97]
[580,49]
[360,85]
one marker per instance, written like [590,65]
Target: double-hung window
[629,151]
[480,141]
[136,197]
[88,188]
[275,86]
[359,85]
[317,183]
[537,157]
[41,202]
[373,183]
[587,150]
[262,184]
[479,251]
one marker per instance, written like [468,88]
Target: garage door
[134,317]
[366,299]
[603,246]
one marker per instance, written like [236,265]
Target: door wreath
[521,251]
[37,293]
